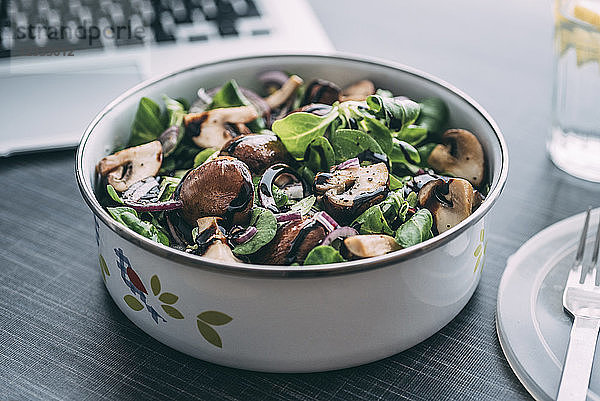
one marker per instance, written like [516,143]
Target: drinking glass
[574,145]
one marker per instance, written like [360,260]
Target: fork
[581,299]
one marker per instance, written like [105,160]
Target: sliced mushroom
[461,155]
[221,187]
[449,201]
[293,241]
[349,192]
[321,91]
[258,151]
[366,246]
[210,127]
[358,91]
[220,251]
[281,95]
[211,241]
[128,166]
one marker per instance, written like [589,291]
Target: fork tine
[581,247]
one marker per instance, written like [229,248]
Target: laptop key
[227,28]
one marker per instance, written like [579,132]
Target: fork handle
[575,377]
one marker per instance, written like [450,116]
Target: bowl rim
[354,266]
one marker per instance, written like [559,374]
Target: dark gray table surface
[62,337]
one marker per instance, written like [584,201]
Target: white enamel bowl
[286,318]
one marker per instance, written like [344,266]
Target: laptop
[61,61]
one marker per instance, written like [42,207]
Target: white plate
[532,327]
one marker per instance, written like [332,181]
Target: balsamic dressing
[370,156]
[365,199]
[265,188]
[240,202]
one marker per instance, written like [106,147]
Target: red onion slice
[350,163]
[245,236]
[288,216]
[155,207]
[340,232]
[326,221]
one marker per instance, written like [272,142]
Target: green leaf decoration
[168,298]
[133,303]
[103,267]
[215,318]
[155,285]
[209,334]
[171,311]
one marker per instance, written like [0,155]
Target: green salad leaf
[424,152]
[304,205]
[168,185]
[147,124]
[416,229]
[266,225]
[204,155]
[348,143]
[372,221]
[379,218]
[434,115]
[405,154]
[129,218]
[378,131]
[397,111]
[413,134]
[298,130]
[113,194]
[323,254]
[319,155]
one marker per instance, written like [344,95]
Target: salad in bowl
[300,174]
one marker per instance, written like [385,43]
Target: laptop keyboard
[35,27]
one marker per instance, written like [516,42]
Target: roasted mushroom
[221,187]
[210,128]
[321,91]
[459,154]
[358,91]
[365,246]
[349,192]
[128,166]
[450,201]
[293,241]
[258,151]
[211,242]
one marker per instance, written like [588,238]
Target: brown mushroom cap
[128,166]
[212,131]
[365,246]
[293,241]
[258,151]
[221,187]
[349,192]
[449,202]
[358,91]
[461,155]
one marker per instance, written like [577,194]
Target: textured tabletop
[62,337]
